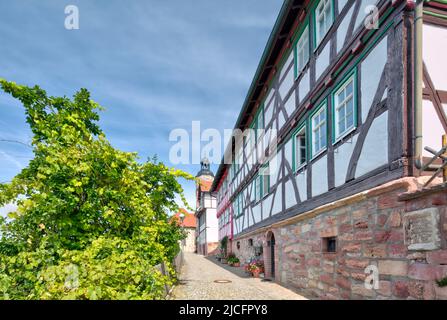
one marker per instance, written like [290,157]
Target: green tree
[92,222]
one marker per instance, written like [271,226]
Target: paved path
[199,273]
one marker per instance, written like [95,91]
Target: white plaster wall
[277,205]
[342,156]
[304,86]
[372,68]
[342,30]
[432,129]
[301,182]
[319,177]
[290,104]
[257,214]
[290,199]
[266,206]
[434,49]
[281,120]
[212,224]
[270,96]
[375,149]
[268,113]
[323,60]
[286,65]
[287,83]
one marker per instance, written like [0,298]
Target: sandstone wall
[406,239]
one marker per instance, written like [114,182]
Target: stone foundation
[394,229]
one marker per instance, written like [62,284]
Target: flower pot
[224,261]
[237,264]
[256,273]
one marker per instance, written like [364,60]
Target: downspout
[418,91]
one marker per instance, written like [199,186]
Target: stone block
[422,271]
[361,290]
[400,289]
[397,250]
[357,263]
[395,220]
[375,250]
[393,267]
[384,288]
[421,229]
[437,257]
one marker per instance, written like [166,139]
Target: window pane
[349,88]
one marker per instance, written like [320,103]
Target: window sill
[344,135]
[300,169]
[319,153]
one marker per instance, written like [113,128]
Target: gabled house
[353,91]
[188,222]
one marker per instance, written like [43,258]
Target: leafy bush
[92,221]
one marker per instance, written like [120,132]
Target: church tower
[207,223]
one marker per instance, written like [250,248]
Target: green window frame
[258,188]
[258,118]
[297,162]
[317,113]
[305,30]
[240,204]
[265,180]
[318,38]
[340,89]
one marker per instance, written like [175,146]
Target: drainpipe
[418,25]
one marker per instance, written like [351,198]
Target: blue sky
[154,65]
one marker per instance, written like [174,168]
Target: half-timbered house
[353,91]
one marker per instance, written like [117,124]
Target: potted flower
[256,267]
[233,260]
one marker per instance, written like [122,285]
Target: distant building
[189,223]
[207,226]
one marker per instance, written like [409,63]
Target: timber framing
[386,110]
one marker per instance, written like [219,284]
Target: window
[260,119]
[323,19]
[300,147]
[250,242]
[344,108]
[265,180]
[302,51]
[330,245]
[319,131]
[239,205]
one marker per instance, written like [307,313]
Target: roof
[279,37]
[189,221]
[205,183]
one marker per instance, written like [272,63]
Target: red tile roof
[188,222]
[205,184]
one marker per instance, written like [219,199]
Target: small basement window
[250,242]
[238,245]
[330,245]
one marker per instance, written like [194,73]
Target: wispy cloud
[155,65]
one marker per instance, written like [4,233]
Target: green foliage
[442,283]
[85,210]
